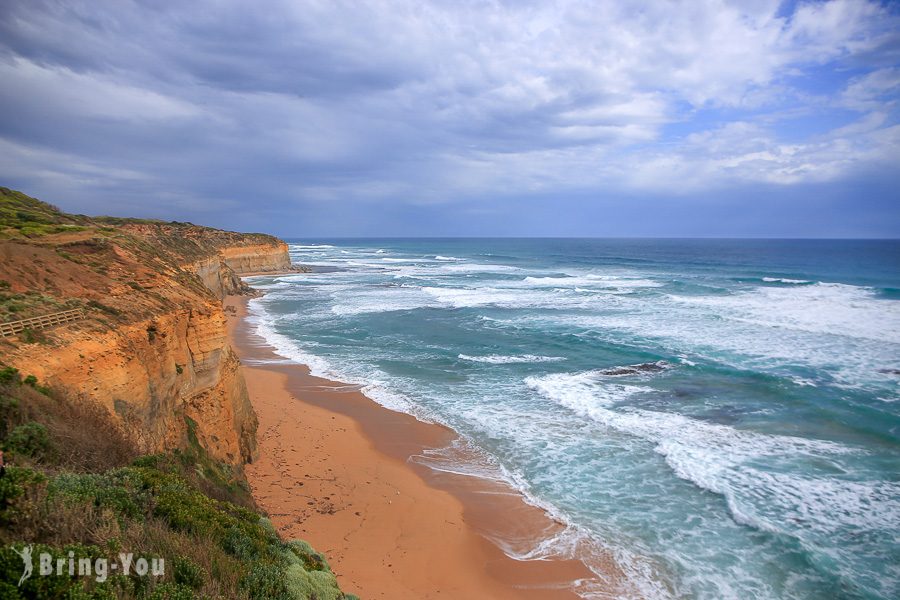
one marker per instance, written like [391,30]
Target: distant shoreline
[335,469]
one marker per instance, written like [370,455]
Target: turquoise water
[721,415]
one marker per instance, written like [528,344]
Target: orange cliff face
[152,374]
[152,349]
[257,258]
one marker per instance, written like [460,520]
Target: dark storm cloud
[416,118]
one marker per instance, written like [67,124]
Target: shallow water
[721,415]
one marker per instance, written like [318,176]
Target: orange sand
[334,470]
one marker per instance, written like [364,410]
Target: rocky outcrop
[218,277]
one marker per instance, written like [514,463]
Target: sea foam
[499,359]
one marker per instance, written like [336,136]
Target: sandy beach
[335,469]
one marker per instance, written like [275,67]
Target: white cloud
[874,91]
[431,101]
[746,153]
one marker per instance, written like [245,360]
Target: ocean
[721,415]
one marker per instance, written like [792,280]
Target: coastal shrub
[312,560]
[117,491]
[9,413]
[10,375]
[13,486]
[104,308]
[240,544]
[32,382]
[30,439]
[303,585]
[265,581]
[171,591]
[187,573]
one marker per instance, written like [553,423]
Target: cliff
[127,430]
[257,258]
[152,349]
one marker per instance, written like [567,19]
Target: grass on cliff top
[73,487]
[24,216]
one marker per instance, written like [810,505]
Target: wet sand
[335,469]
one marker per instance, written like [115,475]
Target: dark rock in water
[649,367]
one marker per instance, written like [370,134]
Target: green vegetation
[126,221]
[30,439]
[23,216]
[104,308]
[100,500]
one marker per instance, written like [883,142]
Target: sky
[460,118]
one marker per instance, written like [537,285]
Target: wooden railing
[66,316]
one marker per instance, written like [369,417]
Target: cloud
[748,153]
[293,105]
[60,91]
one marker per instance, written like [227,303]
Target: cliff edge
[151,348]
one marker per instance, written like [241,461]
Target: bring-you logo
[78,564]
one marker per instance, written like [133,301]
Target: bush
[32,382]
[312,560]
[9,414]
[302,584]
[10,375]
[116,491]
[13,486]
[265,581]
[170,591]
[187,573]
[30,439]
[104,308]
